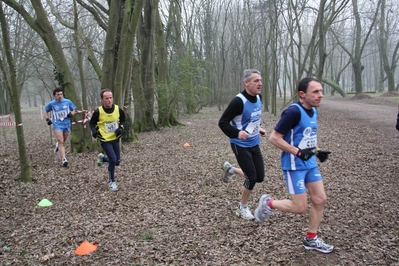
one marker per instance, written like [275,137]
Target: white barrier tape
[83,111]
[76,122]
[86,118]
[84,121]
[6,116]
[9,124]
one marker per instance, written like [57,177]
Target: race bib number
[252,128]
[309,140]
[61,114]
[111,127]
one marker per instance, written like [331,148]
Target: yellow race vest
[108,123]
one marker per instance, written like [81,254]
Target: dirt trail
[374,111]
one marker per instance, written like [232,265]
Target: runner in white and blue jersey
[62,111]
[241,122]
[296,135]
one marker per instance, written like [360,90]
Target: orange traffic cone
[85,248]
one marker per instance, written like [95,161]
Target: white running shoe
[112,186]
[226,177]
[245,213]
[317,244]
[64,162]
[263,208]
[56,147]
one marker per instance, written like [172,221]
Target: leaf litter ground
[173,209]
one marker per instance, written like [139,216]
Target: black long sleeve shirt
[235,108]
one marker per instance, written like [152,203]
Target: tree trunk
[166,105]
[322,36]
[140,120]
[383,42]
[43,27]
[81,139]
[111,45]
[131,17]
[356,62]
[123,71]
[335,86]
[25,174]
[148,62]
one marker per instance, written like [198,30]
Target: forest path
[379,111]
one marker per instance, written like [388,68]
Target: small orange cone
[186,144]
[85,248]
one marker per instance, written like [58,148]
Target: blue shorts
[296,180]
[62,128]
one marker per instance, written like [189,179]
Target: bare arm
[277,140]
[47,115]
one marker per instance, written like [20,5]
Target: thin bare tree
[385,38]
[12,87]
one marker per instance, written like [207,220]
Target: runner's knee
[300,208]
[250,183]
[319,200]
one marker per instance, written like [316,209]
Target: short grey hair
[246,75]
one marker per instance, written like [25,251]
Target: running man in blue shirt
[295,134]
[241,122]
[62,111]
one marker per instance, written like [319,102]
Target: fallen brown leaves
[173,209]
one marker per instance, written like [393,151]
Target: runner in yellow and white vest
[106,124]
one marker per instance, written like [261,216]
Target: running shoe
[244,213]
[317,244]
[56,147]
[226,177]
[112,186]
[263,208]
[100,159]
[64,162]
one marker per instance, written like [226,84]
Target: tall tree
[147,61]
[166,104]
[12,87]
[132,11]
[384,40]
[41,24]
[124,64]
[360,41]
[111,45]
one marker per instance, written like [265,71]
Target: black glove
[118,131]
[305,154]
[322,155]
[70,115]
[94,134]
[48,121]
